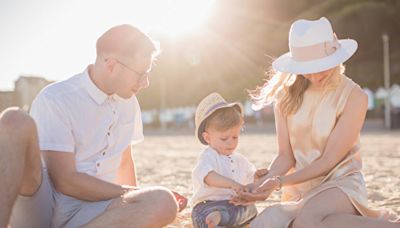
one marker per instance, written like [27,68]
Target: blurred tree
[234,49]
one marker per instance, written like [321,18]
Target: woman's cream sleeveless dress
[309,129]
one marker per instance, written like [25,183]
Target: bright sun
[174,17]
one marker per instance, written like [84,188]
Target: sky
[55,39]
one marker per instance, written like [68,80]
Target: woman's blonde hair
[287,90]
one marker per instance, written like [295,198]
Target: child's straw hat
[208,106]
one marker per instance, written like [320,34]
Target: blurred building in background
[25,90]
[7,99]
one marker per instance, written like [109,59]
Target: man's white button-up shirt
[74,116]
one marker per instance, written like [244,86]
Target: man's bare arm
[66,179]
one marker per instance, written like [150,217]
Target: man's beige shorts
[47,208]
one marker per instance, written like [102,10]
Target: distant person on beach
[220,170]
[319,113]
[86,126]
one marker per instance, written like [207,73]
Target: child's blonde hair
[287,90]
[224,119]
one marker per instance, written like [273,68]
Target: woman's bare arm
[284,160]
[340,141]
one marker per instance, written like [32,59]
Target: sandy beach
[167,160]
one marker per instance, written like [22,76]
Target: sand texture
[167,160]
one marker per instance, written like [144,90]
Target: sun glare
[175,17]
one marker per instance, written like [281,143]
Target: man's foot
[181,200]
[213,219]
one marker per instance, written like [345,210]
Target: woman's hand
[247,198]
[270,184]
[260,173]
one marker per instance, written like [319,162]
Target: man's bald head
[125,42]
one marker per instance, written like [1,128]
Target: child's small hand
[249,188]
[260,173]
[237,187]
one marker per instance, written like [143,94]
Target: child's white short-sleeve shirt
[235,167]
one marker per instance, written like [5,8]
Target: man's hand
[128,188]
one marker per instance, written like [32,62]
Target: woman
[319,113]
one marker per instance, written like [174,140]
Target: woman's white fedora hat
[313,48]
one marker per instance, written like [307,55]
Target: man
[86,125]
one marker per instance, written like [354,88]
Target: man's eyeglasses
[141,75]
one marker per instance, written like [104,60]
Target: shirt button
[231,161]
[104,153]
[233,171]
[98,164]
[108,133]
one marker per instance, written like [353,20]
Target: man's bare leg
[145,208]
[19,159]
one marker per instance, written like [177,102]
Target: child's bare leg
[213,219]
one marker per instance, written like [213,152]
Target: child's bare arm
[216,180]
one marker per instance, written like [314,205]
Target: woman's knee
[306,220]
